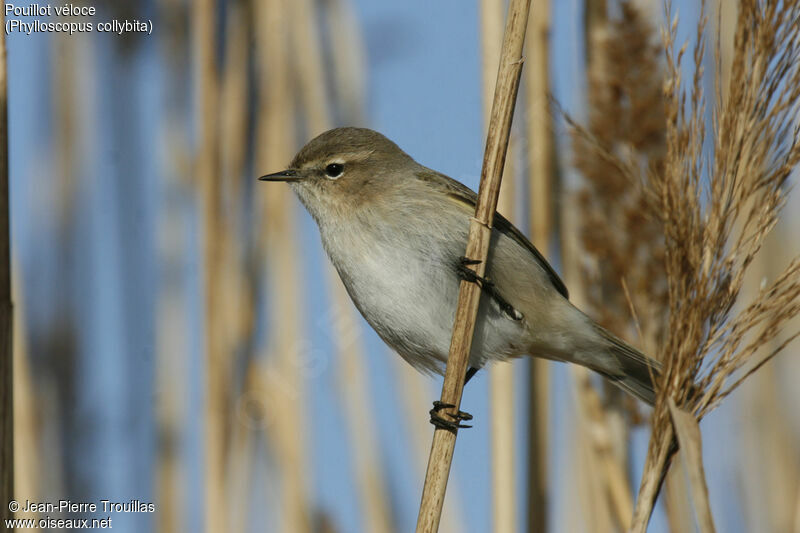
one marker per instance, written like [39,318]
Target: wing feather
[468,197]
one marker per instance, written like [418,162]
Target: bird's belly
[410,299]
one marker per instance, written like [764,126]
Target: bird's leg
[487,285]
[438,420]
[471,371]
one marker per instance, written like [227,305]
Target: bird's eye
[334,170]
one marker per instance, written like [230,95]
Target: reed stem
[540,178]
[505,97]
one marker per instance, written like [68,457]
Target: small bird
[396,232]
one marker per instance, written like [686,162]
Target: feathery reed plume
[716,206]
[538,120]
[624,82]
[505,97]
[596,513]
[6,353]
[618,232]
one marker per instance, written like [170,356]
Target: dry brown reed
[279,255]
[717,201]
[539,133]
[237,288]
[206,169]
[171,333]
[626,119]
[595,512]
[353,381]
[501,375]
[624,107]
[765,410]
[415,402]
[714,203]
[347,60]
[27,425]
[508,78]
[171,319]
[6,310]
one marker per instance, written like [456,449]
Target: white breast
[407,290]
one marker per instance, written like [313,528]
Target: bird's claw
[487,285]
[438,420]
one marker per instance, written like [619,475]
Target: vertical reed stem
[275,137]
[480,232]
[501,376]
[206,170]
[540,207]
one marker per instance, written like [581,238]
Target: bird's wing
[468,197]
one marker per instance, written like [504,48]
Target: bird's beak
[283,175]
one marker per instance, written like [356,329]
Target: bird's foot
[453,422]
[488,286]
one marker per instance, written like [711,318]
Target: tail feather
[634,372]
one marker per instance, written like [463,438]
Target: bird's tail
[634,371]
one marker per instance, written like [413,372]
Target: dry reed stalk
[171,328]
[770,460]
[278,245]
[171,333]
[353,387]
[6,307]
[256,411]
[626,119]
[239,469]
[771,464]
[61,331]
[412,383]
[237,288]
[236,292]
[614,480]
[352,379]
[504,490]
[769,446]
[596,512]
[27,436]
[623,97]
[677,504]
[540,176]
[508,77]
[501,375]
[716,208]
[597,491]
[687,431]
[206,168]
[348,62]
